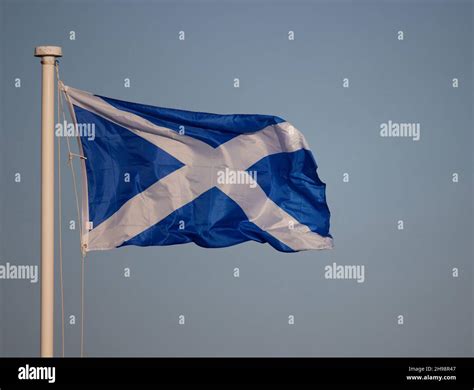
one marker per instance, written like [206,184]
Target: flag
[160,176]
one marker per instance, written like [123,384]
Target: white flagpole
[48,56]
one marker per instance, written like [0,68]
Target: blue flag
[160,176]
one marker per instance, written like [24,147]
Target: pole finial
[52,51]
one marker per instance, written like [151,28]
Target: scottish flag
[160,176]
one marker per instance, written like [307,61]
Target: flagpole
[48,56]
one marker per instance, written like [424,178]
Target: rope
[74,181]
[82,305]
